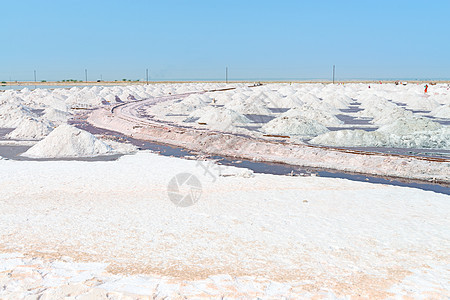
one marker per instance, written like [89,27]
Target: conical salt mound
[68,141]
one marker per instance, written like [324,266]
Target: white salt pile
[31,129]
[11,115]
[285,102]
[219,118]
[309,112]
[188,105]
[56,116]
[248,108]
[410,125]
[68,141]
[295,125]
[442,112]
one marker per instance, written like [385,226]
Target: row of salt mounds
[403,133]
[294,125]
[31,129]
[382,111]
[219,118]
[68,141]
[310,112]
[416,101]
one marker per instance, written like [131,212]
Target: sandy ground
[266,235]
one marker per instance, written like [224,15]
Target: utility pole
[226,75]
[146,75]
[34,75]
[334,67]
[85,73]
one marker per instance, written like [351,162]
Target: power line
[334,67]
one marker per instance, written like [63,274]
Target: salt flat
[248,235]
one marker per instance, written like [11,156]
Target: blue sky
[198,39]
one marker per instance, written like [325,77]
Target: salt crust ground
[108,230]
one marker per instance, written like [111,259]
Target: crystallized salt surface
[263,236]
[295,125]
[68,141]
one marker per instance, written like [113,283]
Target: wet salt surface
[38,111]
[443,122]
[351,109]
[352,128]
[418,111]
[259,118]
[278,110]
[435,153]
[349,120]
[4,132]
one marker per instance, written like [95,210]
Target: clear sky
[198,39]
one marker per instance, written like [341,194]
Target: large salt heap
[219,118]
[31,129]
[294,125]
[68,141]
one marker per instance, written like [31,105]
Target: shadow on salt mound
[295,125]
[31,129]
[68,141]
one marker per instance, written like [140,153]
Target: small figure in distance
[426,88]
